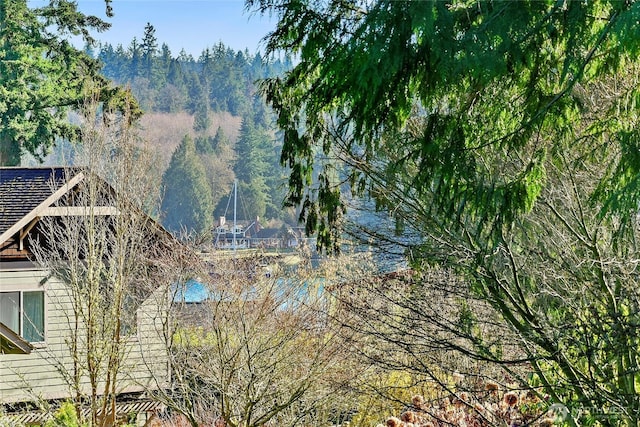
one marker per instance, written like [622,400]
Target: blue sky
[189,24]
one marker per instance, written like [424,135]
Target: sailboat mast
[235,200]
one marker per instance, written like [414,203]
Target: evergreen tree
[185,59]
[149,50]
[164,61]
[253,148]
[197,95]
[221,79]
[122,64]
[201,120]
[42,76]
[219,157]
[175,74]
[506,136]
[220,140]
[223,74]
[108,58]
[172,95]
[259,69]
[187,202]
[275,179]
[135,62]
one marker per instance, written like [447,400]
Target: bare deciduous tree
[259,351]
[105,249]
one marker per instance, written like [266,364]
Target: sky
[192,25]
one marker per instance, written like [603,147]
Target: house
[268,238]
[37,314]
[285,237]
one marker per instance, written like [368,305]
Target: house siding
[41,374]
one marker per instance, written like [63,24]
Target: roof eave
[38,210]
[14,343]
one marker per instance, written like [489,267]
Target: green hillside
[213,102]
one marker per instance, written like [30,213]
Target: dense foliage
[488,76]
[257,170]
[187,200]
[43,76]
[220,80]
[504,135]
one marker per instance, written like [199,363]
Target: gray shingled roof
[24,189]
[267,233]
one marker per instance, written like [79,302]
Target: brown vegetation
[484,408]
[164,131]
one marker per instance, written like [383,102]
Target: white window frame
[21,290]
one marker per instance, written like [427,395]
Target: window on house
[23,313]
